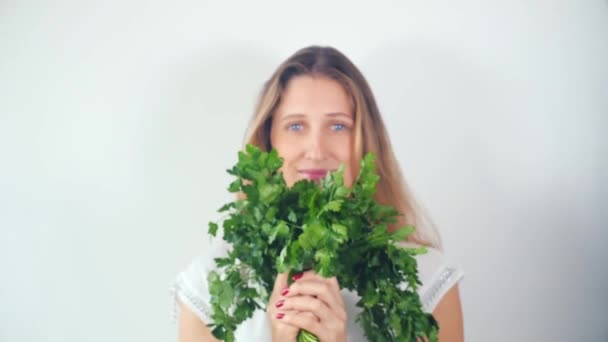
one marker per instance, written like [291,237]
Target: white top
[435,272]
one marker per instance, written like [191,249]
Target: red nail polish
[297,276]
[280,303]
[280,315]
[285,291]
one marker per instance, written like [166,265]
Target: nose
[315,146]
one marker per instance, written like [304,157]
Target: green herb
[337,230]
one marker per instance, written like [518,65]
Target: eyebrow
[331,114]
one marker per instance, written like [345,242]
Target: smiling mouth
[314,174]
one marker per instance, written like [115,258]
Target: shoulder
[189,287]
[437,273]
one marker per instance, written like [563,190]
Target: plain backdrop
[119,118]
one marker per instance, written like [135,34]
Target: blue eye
[339,127]
[295,127]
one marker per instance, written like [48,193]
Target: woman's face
[313,130]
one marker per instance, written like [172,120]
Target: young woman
[318,111]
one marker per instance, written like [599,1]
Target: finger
[303,320]
[309,275]
[280,283]
[307,304]
[322,290]
[277,305]
[312,275]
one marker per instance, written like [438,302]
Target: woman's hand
[311,303]
[279,330]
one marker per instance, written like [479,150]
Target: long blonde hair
[370,132]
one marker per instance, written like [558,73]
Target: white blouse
[435,271]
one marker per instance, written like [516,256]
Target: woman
[318,111]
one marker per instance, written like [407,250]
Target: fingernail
[297,276]
[280,315]
[280,303]
[285,291]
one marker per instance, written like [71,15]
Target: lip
[314,174]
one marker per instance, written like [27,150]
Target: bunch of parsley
[336,230]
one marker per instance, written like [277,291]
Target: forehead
[314,95]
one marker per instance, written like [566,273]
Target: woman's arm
[448,314]
[191,328]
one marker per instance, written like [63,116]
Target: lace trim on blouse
[180,290]
[431,295]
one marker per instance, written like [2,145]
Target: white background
[118,119]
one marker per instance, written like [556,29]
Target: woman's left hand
[315,304]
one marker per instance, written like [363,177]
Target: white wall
[118,119]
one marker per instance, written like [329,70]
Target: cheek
[350,174]
[351,166]
[285,150]
[289,167]
[288,173]
[352,170]
[341,148]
